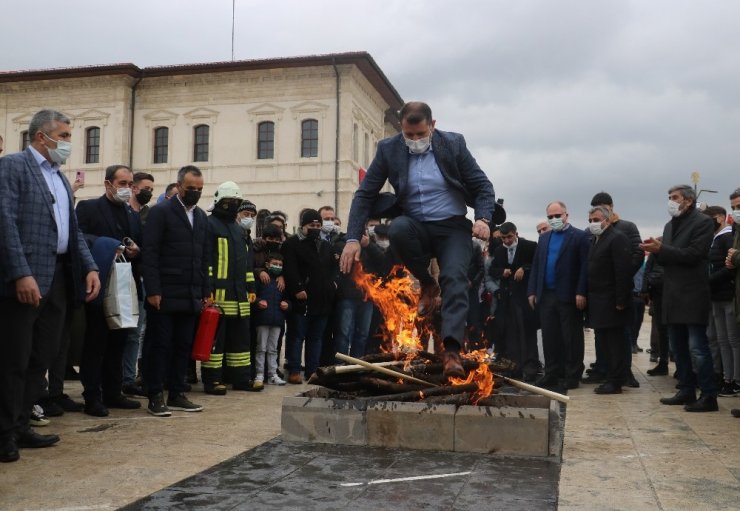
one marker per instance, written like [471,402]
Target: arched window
[25,140]
[161,144]
[200,142]
[92,145]
[266,140]
[310,138]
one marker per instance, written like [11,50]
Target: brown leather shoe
[452,364]
[430,299]
[295,378]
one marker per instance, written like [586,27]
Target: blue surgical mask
[736,216]
[420,145]
[246,223]
[61,154]
[556,224]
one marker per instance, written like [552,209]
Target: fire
[482,376]
[397,300]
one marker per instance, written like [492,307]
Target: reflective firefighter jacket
[229,269]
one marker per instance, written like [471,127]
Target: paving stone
[411,425]
[505,430]
[328,421]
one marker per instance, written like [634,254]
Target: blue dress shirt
[430,198]
[60,199]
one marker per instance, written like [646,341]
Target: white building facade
[291,132]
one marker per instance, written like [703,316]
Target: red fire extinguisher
[206,333]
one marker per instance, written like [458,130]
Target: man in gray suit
[435,177]
[44,262]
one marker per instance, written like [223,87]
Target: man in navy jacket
[435,177]
[558,287]
[174,268]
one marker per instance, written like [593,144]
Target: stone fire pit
[518,423]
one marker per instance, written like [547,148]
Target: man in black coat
[174,268]
[102,350]
[684,255]
[310,271]
[637,256]
[609,294]
[516,321]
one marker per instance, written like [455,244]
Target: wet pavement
[287,475]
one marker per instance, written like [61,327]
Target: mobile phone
[80,177]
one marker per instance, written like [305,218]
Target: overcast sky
[557,99]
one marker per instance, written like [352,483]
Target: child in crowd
[270,317]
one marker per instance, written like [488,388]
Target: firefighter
[232,284]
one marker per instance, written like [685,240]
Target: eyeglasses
[556,215]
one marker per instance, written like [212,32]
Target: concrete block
[325,421]
[504,430]
[557,427]
[411,425]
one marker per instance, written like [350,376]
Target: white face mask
[674,208]
[327,226]
[384,244]
[556,224]
[61,154]
[246,223]
[595,228]
[736,216]
[418,146]
[122,195]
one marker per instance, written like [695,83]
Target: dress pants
[613,343]
[450,241]
[31,337]
[562,337]
[102,354]
[168,344]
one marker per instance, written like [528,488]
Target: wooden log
[537,390]
[380,357]
[436,391]
[381,386]
[330,371]
[384,370]
[458,399]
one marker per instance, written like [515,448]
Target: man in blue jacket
[435,177]
[558,287]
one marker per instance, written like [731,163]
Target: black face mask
[313,234]
[191,197]
[272,246]
[144,197]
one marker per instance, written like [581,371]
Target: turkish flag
[361,172]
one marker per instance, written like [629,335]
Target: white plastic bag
[121,303]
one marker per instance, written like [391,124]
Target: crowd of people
[481,285]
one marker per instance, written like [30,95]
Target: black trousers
[31,337]
[562,337]
[450,241]
[168,343]
[101,364]
[617,364]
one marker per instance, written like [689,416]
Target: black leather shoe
[569,383]
[632,382]
[608,388]
[51,407]
[703,404]
[8,451]
[547,381]
[29,439]
[593,378]
[96,409]
[68,404]
[659,370]
[681,398]
[122,402]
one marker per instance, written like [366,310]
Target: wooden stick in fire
[384,370]
[537,390]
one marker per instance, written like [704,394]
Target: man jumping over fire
[434,177]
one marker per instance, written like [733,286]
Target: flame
[482,376]
[397,299]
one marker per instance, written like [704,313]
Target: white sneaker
[37,417]
[275,380]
